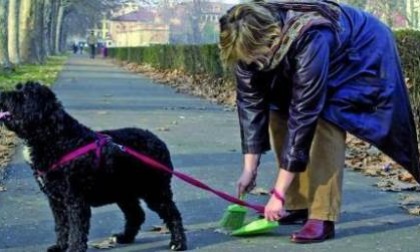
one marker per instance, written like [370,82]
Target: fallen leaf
[371,172]
[414,210]
[259,191]
[394,185]
[163,129]
[406,177]
[105,244]
[162,229]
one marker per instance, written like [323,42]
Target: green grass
[46,73]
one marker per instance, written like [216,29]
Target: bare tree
[59,25]
[387,10]
[358,3]
[195,16]
[25,25]
[52,29]
[47,26]
[38,41]
[13,31]
[412,13]
[4,56]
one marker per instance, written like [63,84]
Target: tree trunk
[53,24]
[38,35]
[47,26]
[58,29]
[414,14]
[411,14]
[31,30]
[389,13]
[4,55]
[26,18]
[13,30]
[358,3]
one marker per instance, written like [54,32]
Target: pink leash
[103,139]
[153,163]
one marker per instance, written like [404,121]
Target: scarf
[300,16]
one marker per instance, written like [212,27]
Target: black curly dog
[33,112]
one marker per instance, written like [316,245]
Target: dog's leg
[134,218]
[164,206]
[79,214]
[61,225]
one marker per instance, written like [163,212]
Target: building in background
[142,27]
[185,22]
[195,21]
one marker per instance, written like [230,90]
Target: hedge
[408,46]
[204,59]
[192,59]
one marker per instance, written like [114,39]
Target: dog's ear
[32,85]
[19,86]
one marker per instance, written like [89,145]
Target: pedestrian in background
[92,42]
[75,48]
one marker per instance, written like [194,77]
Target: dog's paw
[177,246]
[121,238]
[56,248]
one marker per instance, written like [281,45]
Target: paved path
[204,142]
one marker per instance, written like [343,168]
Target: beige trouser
[318,188]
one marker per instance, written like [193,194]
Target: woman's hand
[274,209]
[246,182]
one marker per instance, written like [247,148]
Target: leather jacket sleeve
[252,103]
[310,73]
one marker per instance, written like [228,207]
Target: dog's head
[27,108]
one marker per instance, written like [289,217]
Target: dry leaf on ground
[162,229]
[394,185]
[110,242]
[259,191]
[163,129]
[411,203]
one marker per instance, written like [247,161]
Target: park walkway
[204,141]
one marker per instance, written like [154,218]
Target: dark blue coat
[352,79]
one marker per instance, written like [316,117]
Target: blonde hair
[247,32]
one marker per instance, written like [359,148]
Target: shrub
[204,59]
